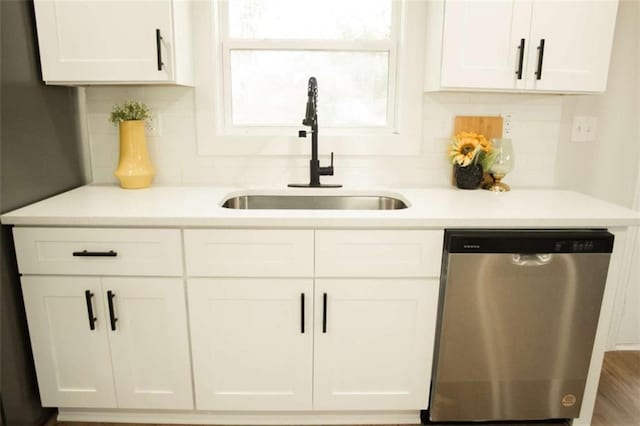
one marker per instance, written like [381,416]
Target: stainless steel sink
[314,202]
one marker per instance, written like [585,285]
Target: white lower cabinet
[72,361]
[134,354]
[298,321]
[373,343]
[319,337]
[150,345]
[252,343]
[368,343]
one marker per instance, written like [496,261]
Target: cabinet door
[481,42]
[252,343]
[373,343]
[84,41]
[150,345]
[577,44]
[72,361]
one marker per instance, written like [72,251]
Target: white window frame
[401,136]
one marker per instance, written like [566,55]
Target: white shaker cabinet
[133,354]
[246,317]
[105,332]
[150,343]
[519,45]
[480,45]
[252,343]
[578,36]
[296,320]
[72,360]
[373,343]
[376,295]
[124,42]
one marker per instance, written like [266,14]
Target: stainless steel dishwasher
[517,319]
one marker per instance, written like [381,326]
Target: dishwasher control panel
[529,241]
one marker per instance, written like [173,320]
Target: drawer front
[92,251]
[388,253]
[249,253]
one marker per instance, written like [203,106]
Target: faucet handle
[302,133]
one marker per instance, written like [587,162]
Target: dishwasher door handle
[536,259]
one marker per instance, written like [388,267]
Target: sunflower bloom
[464,148]
[468,147]
[485,144]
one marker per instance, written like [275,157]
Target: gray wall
[39,157]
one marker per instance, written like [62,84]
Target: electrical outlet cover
[507,123]
[154,125]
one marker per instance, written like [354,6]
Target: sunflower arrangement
[469,148]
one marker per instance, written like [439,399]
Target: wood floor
[618,402]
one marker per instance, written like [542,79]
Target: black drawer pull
[92,320]
[540,58]
[302,313]
[159,49]
[112,315]
[520,59]
[85,253]
[324,312]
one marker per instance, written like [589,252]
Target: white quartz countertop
[173,206]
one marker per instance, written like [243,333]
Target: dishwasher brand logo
[569,400]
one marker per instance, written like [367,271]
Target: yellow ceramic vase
[134,168]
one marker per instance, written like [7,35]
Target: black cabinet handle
[85,253]
[324,312]
[520,59]
[159,49]
[302,313]
[92,320]
[112,315]
[540,57]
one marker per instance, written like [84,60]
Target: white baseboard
[237,418]
[627,347]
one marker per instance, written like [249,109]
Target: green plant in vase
[129,111]
[471,154]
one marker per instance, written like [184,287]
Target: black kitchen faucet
[311,119]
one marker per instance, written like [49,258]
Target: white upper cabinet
[522,45]
[478,46]
[122,42]
[577,45]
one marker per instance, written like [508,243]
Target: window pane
[310,19]
[269,88]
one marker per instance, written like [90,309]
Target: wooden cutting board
[489,126]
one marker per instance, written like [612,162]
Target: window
[271,48]
[263,52]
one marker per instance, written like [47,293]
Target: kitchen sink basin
[314,202]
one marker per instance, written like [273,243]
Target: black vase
[468,177]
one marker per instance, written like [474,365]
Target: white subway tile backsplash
[99,124]
[535,133]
